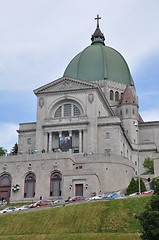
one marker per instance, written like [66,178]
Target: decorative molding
[91,97]
[41,102]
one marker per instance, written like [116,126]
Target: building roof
[99,62]
[128,97]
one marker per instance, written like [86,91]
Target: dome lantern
[98,36]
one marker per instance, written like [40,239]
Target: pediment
[65,85]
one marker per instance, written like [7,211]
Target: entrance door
[79,189]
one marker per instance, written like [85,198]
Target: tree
[134,186]
[148,164]
[15,149]
[2,151]
[149,219]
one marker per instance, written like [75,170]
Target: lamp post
[137,131]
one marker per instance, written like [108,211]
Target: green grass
[115,219]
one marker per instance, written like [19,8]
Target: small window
[126,111]
[111,95]
[107,152]
[135,163]
[107,135]
[29,141]
[117,96]
[133,111]
[146,141]
[121,112]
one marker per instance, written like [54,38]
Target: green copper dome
[98,62]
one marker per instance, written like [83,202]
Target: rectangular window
[126,111]
[107,152]
[107,135]
[29,141]
[146,141]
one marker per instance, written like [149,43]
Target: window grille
[58,112]
[76,111]
[67,110]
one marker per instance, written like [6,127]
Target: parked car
[134,194]
[148,192]
[76,199]
[9,209]
[96,198]
[113,196]
[24,207]
[41,203]
[60,202]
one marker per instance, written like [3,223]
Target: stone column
[45,142]
[60,134]
[85,150]
[80,141]
[70,135]
[50,141]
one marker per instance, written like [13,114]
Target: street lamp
[137,130]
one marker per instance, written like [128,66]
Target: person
[100,193]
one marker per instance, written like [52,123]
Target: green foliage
[15,149]
[155,183]
[134,186]
[142,185]
[2,151]
[148,164]
[149,218]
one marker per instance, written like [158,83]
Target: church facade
[88,136]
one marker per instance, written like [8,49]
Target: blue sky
[40,37]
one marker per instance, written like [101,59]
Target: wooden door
[79,189]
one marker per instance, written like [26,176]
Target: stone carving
[41,102]
[90,97]
[66,85]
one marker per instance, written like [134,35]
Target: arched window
[5,181]
[67,110]
[111,95]
[29,186]
[5,187]
[55,184]
[116,96]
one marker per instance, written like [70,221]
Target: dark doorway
[55,184]
[79,189]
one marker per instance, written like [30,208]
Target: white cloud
[8,135]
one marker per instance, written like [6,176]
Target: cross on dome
[97,18]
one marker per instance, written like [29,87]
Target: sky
[38,38]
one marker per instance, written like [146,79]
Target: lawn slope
[114,219]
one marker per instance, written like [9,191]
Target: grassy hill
[114,219]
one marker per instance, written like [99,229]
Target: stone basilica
[88,136]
